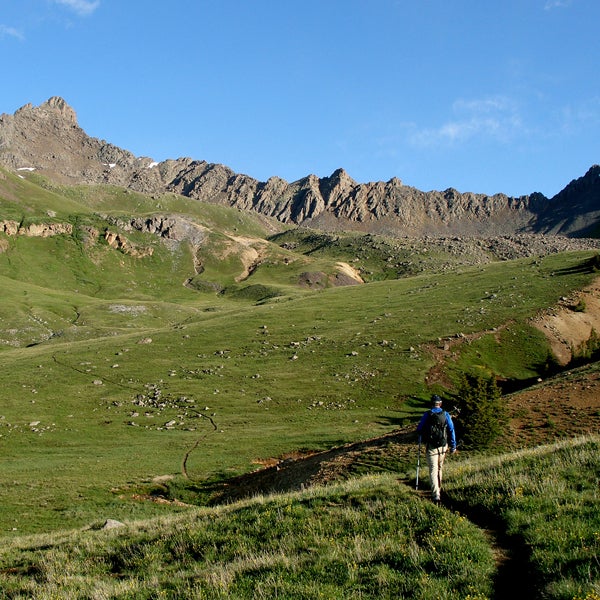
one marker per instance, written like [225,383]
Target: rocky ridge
[48,139]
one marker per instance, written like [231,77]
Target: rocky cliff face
[574,210]
[48,139]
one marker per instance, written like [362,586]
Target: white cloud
[494,118]
[10,32]
[482,106]
[576,117]
[550,4]
[81,7]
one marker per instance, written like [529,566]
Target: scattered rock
[112,524]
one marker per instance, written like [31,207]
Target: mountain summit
[48,139]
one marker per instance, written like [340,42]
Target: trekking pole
[418,464]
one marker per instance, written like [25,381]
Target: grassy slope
[86,405]
[369,537]
[237,376]
[356,351]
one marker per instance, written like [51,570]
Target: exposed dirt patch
[569,324]
[567,406]
[250,251]
[349,272]
[297,471]
[319,280]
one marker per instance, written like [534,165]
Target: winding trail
[297,471]
[512,579]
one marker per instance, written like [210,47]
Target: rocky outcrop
[576,209]
[114,239]
[48,139]
[35,229]
[122,244]
[169,228]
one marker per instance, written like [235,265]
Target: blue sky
[480,95]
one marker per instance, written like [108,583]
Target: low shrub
[482,411]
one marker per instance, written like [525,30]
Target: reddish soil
[568,407]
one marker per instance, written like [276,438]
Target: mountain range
[47,139]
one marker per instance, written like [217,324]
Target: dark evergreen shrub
[482,411]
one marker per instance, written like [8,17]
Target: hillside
[167,363]
[48,140]
[173,330]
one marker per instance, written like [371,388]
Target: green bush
[482,410]
[586,351]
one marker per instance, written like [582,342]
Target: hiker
[436,430]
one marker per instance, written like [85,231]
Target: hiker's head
[436,400]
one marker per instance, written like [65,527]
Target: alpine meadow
[204,401]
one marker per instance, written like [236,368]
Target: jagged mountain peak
[54,107]
[59,105]
[48,139]
[341,175]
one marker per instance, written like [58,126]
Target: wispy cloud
[492,118]
[10,32]
[550,4]
[586,114]
[81,7]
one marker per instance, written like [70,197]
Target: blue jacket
[449,425]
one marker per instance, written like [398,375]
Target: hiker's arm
[451,431]
[421,424]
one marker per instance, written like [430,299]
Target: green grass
[313,372]
[368,537]
[547,498]
[517,352]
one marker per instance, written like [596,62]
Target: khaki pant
[435,460]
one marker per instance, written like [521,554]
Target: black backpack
[435,431]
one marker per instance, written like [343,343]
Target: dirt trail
[566,406]
[512,578]
[571,402]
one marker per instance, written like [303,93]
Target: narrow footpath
[512,580]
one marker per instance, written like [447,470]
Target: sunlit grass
[548,497]
[366,538]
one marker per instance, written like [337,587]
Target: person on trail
[436,429]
